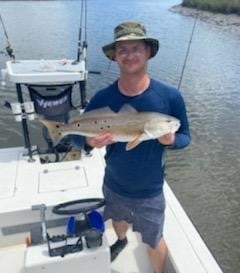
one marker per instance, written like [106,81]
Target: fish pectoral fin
[149,134]
[132,144]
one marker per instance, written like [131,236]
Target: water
[205,176]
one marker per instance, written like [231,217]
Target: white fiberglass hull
[24,184]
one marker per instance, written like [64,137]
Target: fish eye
[78,124]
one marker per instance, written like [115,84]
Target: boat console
[83,244]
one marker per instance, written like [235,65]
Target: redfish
[127,125]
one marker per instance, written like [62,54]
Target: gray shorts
[146,215]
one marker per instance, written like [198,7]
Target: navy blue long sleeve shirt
[139,173]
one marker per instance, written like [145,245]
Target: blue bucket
[95,220]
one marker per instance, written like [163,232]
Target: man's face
[132,56]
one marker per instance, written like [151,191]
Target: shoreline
[229,22]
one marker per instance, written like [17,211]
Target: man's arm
[182,137]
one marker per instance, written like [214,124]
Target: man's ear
[114,55]
[149,51]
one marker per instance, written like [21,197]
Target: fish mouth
[175,126]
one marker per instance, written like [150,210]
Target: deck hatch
[55,180]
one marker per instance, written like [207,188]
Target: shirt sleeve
[178,110]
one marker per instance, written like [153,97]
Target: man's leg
[120,229]
[158,256]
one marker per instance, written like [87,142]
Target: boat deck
[24,184]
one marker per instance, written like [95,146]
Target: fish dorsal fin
[99,112]
[127,109]
[132,144]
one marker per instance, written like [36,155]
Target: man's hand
[167,139]
[100,140]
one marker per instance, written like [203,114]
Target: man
[133,180]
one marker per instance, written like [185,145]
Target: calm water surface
[206,175]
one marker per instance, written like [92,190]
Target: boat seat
[53,102]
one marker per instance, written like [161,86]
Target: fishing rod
[188,50]
[82,51]
[8,47]
[82,45]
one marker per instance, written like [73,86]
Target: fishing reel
[8,52]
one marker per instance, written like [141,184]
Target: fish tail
[54,129]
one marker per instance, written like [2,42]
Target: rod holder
[23,110]
[29,109]
[17,110]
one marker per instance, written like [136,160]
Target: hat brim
[109,49]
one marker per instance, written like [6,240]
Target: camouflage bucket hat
[130,31]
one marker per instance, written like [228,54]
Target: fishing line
[188,50]
[85,20]
[8,47]
[85,44]
[4,28]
